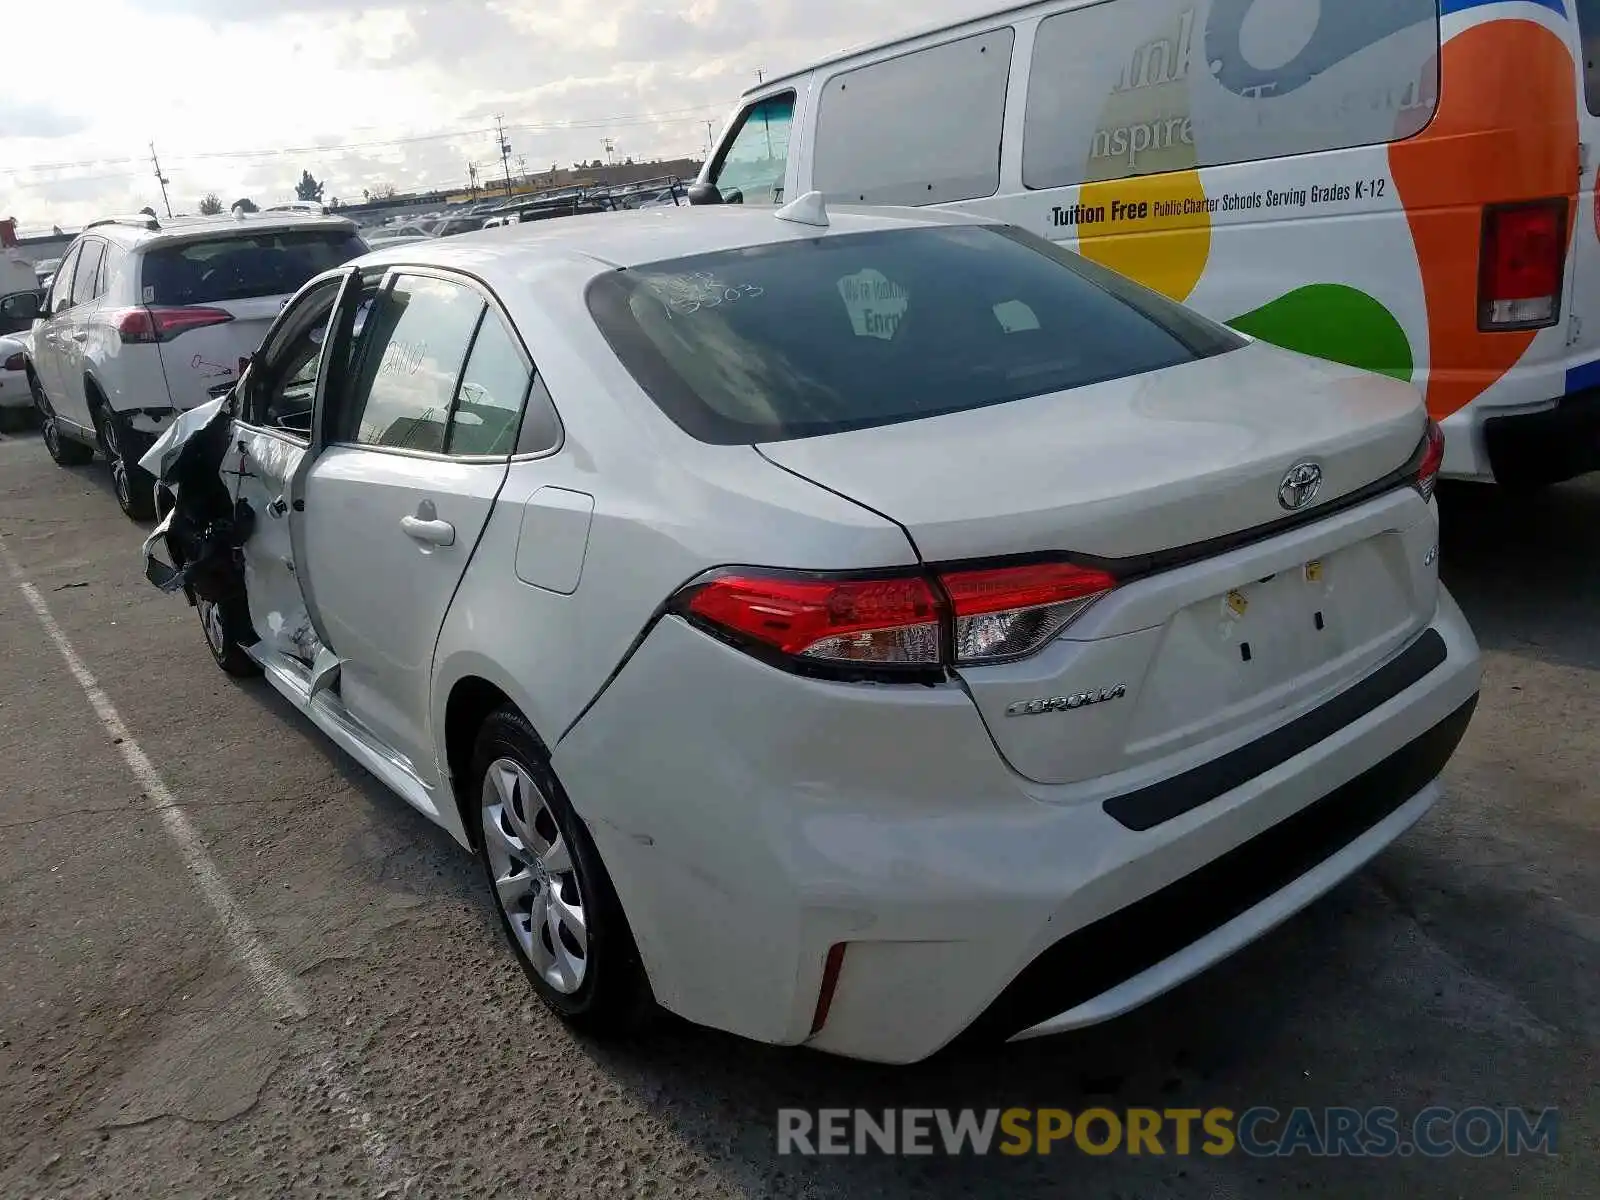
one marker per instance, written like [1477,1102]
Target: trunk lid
[203,363]
[1123,468]
[1177,665]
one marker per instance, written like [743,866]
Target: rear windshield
[834,333]
[240,266]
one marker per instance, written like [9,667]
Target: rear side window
[488,407]
[1589,32]
[923,128]
[241,266]
[415,343]
[1142,86]
[827,334]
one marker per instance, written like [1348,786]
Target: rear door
[72,401]
[218,296]
[413,457]
[1583,324]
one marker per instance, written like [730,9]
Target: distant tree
[308,188]
[210,206]
[148,211]
[335,203]
[366,195]
[247,204]
[383,191]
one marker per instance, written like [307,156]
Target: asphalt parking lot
[354,1027]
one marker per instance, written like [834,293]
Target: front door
[50,334]
[411,457]
[272,437]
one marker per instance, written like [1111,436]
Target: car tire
[227,629]
[63,451]
[557,905]
[135,487]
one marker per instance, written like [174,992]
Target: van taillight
[894,626]
[1522,265]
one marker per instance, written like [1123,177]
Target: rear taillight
[16,363]
[868,622]
[1009,612]
[895,624]
[142,326]
[1522,265]
[1431,455]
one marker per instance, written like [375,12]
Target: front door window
[755,161]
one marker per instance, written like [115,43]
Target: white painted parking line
[281,993]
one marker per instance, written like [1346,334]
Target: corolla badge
[1300,486]
[1049,704]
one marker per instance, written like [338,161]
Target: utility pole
[161,179]
[505,149]
[472,178]
[610,146]
[711,144]
[522,168]
[760,78]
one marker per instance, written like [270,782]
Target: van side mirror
[704,193]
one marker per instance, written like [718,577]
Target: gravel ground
[141,1055]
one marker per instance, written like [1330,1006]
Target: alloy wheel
[534,876]
[211,623]
[119,469]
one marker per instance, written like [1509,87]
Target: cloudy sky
[362,93]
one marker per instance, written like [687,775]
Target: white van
[1402,185]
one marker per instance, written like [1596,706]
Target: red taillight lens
[876,622]
[16,363]
[1010,612]
[1432,460]
[994,615]
[1522,265]
[141,326]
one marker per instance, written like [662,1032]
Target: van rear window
[241,266]
[849,331]
[1589,33]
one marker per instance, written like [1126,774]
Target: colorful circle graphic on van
[1334,321]
[1264,48]
[1479,145]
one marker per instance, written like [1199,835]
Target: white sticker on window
[1015,316]
[876,305]
[149,295]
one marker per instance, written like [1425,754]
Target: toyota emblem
[1300,486]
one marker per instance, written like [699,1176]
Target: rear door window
[821,335]
[923,128]
[242,266]
[415,343]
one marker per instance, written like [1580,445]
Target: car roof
[633,237]
[135,231]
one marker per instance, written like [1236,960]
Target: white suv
[146,319]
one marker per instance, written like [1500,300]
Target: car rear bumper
[752,821]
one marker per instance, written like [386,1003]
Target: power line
[664,117]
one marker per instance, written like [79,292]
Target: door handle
[434,533]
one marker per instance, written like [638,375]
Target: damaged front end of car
[197,547]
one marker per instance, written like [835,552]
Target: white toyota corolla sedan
[858,629]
